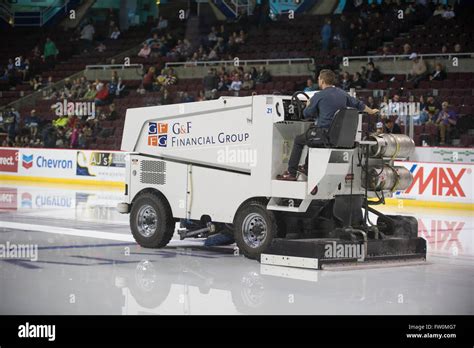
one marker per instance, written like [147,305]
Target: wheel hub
[254,230]
[147,221]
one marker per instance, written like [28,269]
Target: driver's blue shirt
[324,104]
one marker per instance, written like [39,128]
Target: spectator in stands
[371,103]
[90,92]
[448,13]
[101,47]
[220,47]
[222,33]
[149,78]
[32,123]
[141,89]
[171,77]
[248,83]
[392,127]
[212,55]
[457,48]
[120,88]
[186,98]
[345,83]
[326,34]
[201,96]
[145,51]
[223,84]
[36,82]
[373,74]
[263,76]
[344,33]
[406,49]
[438,74]
[165,97]
[236,83]
[36,53]
[446,120]
[212,36]
[87,36]
[210,82]
[115,34]
[310,86]
[113,87]
[102,96]
[357,81]
[439,11]
[162,24]
[24,68]
[418,70]
[430,110]
[111,114]
[253,73]
[12,121]
[386,50]
[154,44]
[410,10]
[241,38]
[50,53]
[11,65]
[74,137]
[379,128]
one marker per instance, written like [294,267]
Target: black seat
[341,133]
[343,129]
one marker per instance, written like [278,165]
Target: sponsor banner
[108,166]
[8,160]
[44,162]
[101,165]
[443,155]
[442,182]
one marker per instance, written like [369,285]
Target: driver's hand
[373,111]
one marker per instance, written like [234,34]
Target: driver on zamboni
[321,107]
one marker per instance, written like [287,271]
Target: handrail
[241,62]
[403,56]
[114,66]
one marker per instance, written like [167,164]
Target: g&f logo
[157,134]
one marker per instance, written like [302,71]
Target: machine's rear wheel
[254,229]
[151,221]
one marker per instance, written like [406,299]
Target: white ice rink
[88,263]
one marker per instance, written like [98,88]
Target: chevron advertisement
[442,182]
[50,163]
[63,164]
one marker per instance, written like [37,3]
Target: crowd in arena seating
[161,85]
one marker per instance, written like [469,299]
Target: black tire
[161,232]
[243,215]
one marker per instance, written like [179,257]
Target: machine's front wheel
[254,229]
[151,221]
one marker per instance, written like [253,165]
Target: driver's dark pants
[298,145]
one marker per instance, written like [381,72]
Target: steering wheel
[298,103]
